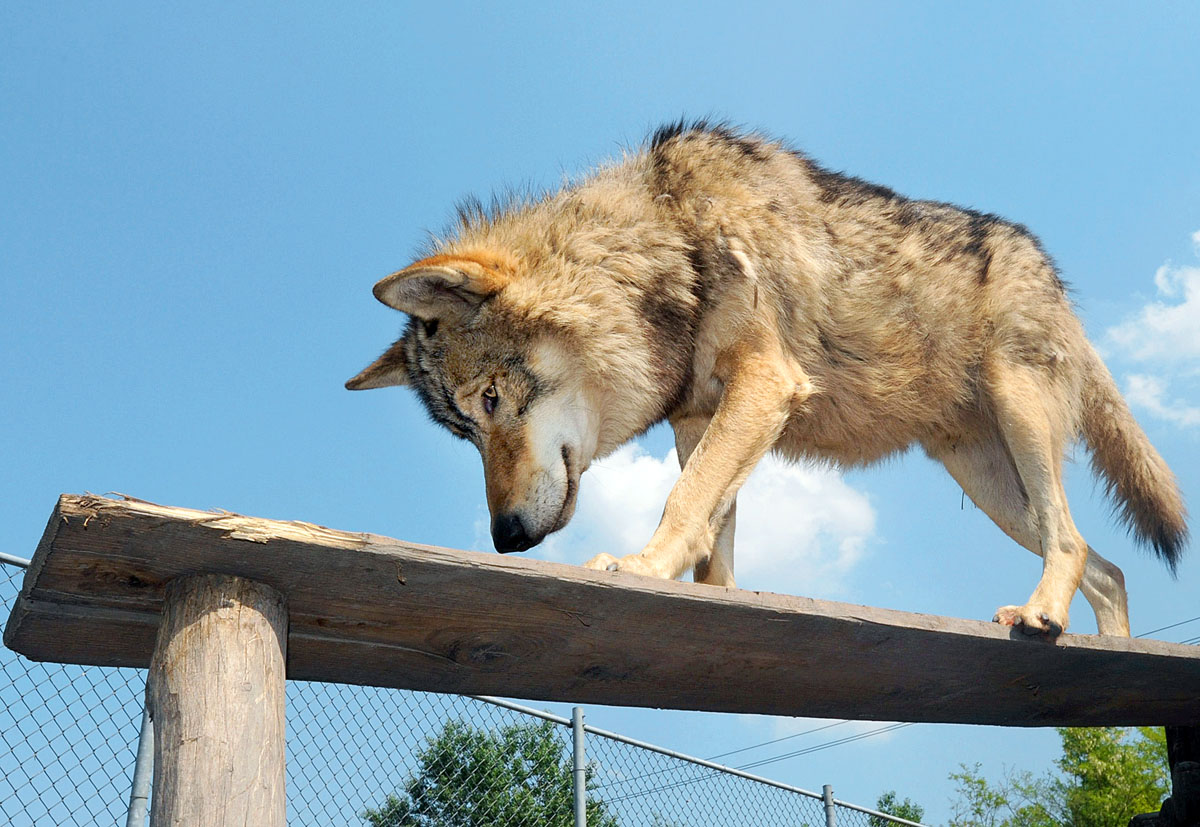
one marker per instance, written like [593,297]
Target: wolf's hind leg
[986,472]
[761,391]
[1023,403]
[1104,587]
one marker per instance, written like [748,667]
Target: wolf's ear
[443,287]
[385,372]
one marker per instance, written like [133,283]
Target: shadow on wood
[370,610]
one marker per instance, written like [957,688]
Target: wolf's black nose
[508,533]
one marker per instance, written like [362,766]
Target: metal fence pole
[830,810]
[580,773]
[139,794]
[13,560]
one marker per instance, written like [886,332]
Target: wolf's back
[1143,488]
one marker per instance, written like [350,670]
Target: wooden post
[1182,807]
[216,692]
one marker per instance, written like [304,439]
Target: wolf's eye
[490,398]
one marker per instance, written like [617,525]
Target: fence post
[216,691]
[580,771]
[830,811]
[139,793]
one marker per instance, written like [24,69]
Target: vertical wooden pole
[216,690]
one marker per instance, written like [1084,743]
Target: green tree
[887,803]
[1016,801]
[1110,776]
[1106,775]
[518,776]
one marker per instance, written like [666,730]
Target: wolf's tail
[1146,495]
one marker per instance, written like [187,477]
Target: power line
[722,755]
[1172,626]
[827,745]
[777,740]
[817,748]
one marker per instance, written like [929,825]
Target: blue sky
[197,200]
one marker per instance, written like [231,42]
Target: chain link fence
[373,757]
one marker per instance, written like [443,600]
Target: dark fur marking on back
[837,187]
[747,143]
[977,245]
[669,132]
[848,190]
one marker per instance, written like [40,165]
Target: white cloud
[1168,329]
[1164,336]
[1149,392]
[800,528]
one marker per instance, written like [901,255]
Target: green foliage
[1019,800]
[517,775]
[978,804]
[887,803]
[1106,776]
[1111,778]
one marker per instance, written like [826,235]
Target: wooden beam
[216,694]
[370,610]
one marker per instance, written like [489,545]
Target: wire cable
[1172,626]
[777,740]
[827,745]
[722,755]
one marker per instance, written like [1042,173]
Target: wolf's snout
[508,534]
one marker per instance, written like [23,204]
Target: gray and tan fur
[758,302]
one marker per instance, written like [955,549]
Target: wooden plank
[366,609]
[216,693]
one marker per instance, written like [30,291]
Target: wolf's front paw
[1031,620]
[603,562]
[634,563]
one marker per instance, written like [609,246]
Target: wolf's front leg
[761,392]
[717,568]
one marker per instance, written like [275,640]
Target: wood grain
[216,694]
[370,610]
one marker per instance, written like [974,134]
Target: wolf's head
[493,375]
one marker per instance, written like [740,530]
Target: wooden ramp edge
[366,609]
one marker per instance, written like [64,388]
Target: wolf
[723,282]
